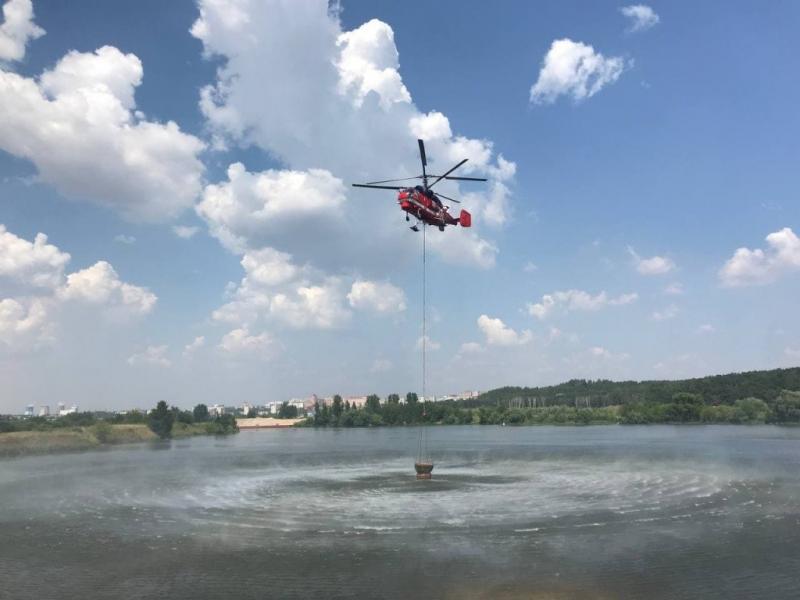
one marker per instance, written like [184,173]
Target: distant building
[245,409]
[64,411]
[44,411]
[216,410]
[29,410]
[357,401]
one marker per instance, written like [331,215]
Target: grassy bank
[74,439]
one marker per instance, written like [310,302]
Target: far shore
[267,423]
[79,439]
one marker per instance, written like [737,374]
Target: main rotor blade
[422,153]
[391,180]
[423,159]
[378,187]
[448,198]
[447,173]
[467,178]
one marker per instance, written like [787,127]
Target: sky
[177,220]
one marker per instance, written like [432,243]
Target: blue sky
[623,233]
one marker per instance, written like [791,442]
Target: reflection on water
[511,513]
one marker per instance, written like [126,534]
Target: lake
[528,512]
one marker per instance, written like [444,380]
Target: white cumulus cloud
[499,334]
[36,263]
[17,29]
[378,296]
[574,69]
[759,267]
[241,342]
[655,265]
[576,300]
[78,125]
[640,16]
[100,285]
[664,314]
[194,345]
[25,323]
[152,355]
[185,232]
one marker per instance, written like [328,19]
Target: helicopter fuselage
[429,209]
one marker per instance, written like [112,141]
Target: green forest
[737,398]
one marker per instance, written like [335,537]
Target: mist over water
[530,512]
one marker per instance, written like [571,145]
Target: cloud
[470,348]
[674,289]
[331,105]
[640,16]
[25,323]
[760,267]
[125,239]
[241,342]
[380,297]
[706,328]
[665,314]
[37,264]
[78,125]
[576,300]
[250,210]
[430,344]
[32,277]
[499,334]
[185,232]
[152,355]
[574,69]
[194,346]
[368,62]
[100,285]
[655,265]
[275,288]
[599,352]
[269,267]
[17,29]
[529,267]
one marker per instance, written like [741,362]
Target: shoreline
[18,444]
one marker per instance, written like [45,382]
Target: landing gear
[441,227]
[414,228]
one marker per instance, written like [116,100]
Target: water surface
[530,512]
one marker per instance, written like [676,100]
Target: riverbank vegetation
[86,431]
[740,398]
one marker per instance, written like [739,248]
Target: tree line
[714,389]
[160,421]
[682,407]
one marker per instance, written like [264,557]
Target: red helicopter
[421,202]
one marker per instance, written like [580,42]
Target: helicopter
[421,202]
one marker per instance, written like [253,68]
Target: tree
[160,420]
[685,407]
[786,407]
[393,399]
[347,405]
[287,411]
[251,412]
[184,416]
[411,398]
[337,407]
[373,403]
[200,413]
[317,413]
